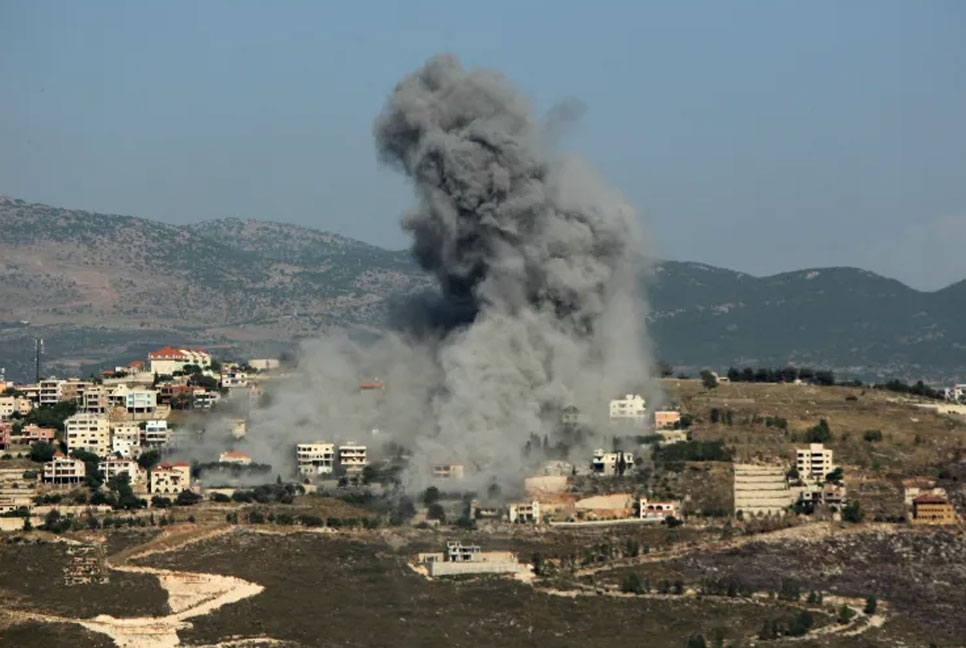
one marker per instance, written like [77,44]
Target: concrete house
[234,457]
[170,479]
[64,470]
[315,458]
[630,408]
[814,462]
[524,512]
[352,457]
[90,432]
[648,510]
[611,463]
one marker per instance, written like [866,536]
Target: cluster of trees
[46,416]
[304,519]
[631,583]
[235,469]
[819,433]
[797,626]
[918,389]
[692,451]
[785,374]
[264,494]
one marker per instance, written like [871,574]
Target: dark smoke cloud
[536,261]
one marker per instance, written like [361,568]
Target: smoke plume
[537,308]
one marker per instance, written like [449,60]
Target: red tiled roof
[370,385]
[929,499]
[166,352]
[234,453]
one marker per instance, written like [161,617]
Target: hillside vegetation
[103,288]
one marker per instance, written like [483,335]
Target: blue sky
[761,136]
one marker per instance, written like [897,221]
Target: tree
[436,512]
[430,496]
[697,641]
[664,369]
[801,624]
[149,459]
[42,452]
[836,476]
[852,512]
[819,433]
[708,379]
[872,435]
[870,605]
[160,502]
[845,614]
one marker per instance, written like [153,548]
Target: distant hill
[103,288]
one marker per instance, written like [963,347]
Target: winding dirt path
[190,594]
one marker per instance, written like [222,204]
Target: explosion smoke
[538,308]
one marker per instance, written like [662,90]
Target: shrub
[631,584]
[160,502]
[870,605]
[872,435]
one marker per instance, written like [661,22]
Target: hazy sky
[761,136]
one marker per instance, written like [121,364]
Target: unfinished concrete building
[470,559]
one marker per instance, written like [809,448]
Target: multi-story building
[168,360]
[648,510]
[666,419]
[448,471]
[570,416]
[611,463]
[352,457]
[932,509]
[64,470]
[90,432]
[315,458]
[50,391]
[630,408]
[126,440]
[524,512]
[95,400]
[10,405]
[73,389]
[814,462]
[5,430]
[114,467]
[761,490]
[32,433]
[264,364]
[170,479]
[156,433]
[135,400]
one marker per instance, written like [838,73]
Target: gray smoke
[536,261]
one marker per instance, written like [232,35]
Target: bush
[160,502]
[187,498]
[436,512]
[430,496]
[801,624]
[219,497]
[708,379]
[852,512]
[692,451]
[254,517]
[872,435]
[631,584]
[845,614]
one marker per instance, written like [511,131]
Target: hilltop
[102,288]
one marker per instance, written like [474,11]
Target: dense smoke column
[531,250]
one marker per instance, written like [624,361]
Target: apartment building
[90,432]
[630,408]
[648,510]
[10,405]
[932,509]
[315,458]
[50,391]
[814,462]
[761,490]
[570,416]
[170,479]
[32,433]
[156,433]
[134,400]
[611,463]
[95,400]
[126,440]
[448,471]
[524,512]
[114,467]
[352,457]
[64,470]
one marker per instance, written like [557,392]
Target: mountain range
[102,289]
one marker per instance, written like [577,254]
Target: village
[119,444]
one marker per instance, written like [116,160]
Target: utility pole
[38,351]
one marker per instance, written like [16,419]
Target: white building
[156,432]
[448,471]
[264,364]
[352,457]
[234,457]
[611,463]
[171,479]
[126,440]
[50,391]
[90,432]
[814,462]
[10,405]
[524,512]
[64,470]
[648,510]
[631,408]
[95,400]
[114,467]
[168,360]
[315,458]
